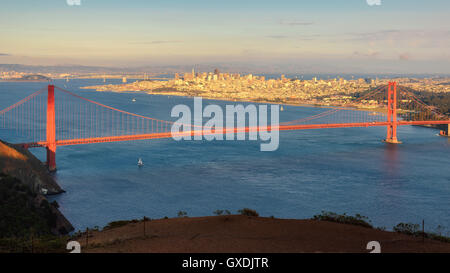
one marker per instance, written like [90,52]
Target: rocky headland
[19,166]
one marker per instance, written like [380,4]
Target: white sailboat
[281,108]
[140,162]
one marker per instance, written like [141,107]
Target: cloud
[277,36]
[165,42]
[294,37]
[375,35]
[404,57]
[158,42]
[4,54]
[370,53]
[252,52]
[412,38]
[296,23]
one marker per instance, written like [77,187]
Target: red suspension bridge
[50,119]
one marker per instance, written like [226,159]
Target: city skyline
[309,36]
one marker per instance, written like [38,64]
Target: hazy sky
[323,35]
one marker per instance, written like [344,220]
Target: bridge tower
[446,131]
[391,136]
[51,129]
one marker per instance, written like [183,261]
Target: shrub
[116,224]
[182,214]
[357,220]
[218,212]
[221,212]
[414,230]
[407,228]
[248,212]
[438,237]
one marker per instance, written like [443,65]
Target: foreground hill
[24,207]
[238,233]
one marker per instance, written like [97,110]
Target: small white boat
[281,109]
[140,163]
[133,100]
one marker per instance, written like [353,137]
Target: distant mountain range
[170,69]
[57,69]
[243,68]
[79,69]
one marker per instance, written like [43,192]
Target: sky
[387,36]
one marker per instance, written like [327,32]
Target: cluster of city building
[233,86]
[9,75]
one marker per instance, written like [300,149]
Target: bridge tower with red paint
[391,136]
[51,129]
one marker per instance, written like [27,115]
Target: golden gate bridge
[50,119]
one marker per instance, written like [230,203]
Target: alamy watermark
[374,2]
[73,2]
[239,123]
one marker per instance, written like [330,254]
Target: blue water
[341,170]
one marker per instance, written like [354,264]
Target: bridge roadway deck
[225,131]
